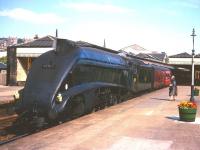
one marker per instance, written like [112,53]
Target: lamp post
[192,83]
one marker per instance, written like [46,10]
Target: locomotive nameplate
[48,66]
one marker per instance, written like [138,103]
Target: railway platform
[7,92]
[148,122]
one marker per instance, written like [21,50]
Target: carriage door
[134,78]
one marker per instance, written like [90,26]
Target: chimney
[36,37]
[56,32]
[104,43]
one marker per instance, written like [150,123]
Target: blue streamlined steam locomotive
[77,78]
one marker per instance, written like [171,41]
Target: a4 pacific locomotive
[77,78]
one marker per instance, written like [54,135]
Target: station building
[183,63]
[21,56]
[141,52]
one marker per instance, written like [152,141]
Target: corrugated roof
[152,56]
[136,49]
[143,55]
[159,56]
[46,41]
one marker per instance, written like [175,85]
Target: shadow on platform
[163,99]
[173,118]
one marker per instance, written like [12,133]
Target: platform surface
[148,122]
[7,92]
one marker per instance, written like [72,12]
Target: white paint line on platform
[149,113]
[128,143]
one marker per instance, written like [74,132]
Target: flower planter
[196,92]
[187,114]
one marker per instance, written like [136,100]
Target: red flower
[187,105]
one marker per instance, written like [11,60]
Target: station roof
[159,56]
[135,49]
[152,56]
[46,41]
[34,48]
[181,55]
[184,55]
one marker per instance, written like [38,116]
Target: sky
[156,25]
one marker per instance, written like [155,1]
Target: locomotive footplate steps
[146,122]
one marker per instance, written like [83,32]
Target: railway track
[5,123]
[10,133]
[14,138]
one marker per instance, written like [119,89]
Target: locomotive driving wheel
[77,107]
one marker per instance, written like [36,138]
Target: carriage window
[86,73]
[141,75]
[144,75]
[134,69]
[148,76]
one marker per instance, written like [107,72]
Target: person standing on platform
[173,89]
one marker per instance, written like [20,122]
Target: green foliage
[3,60]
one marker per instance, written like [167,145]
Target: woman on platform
[173,89]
